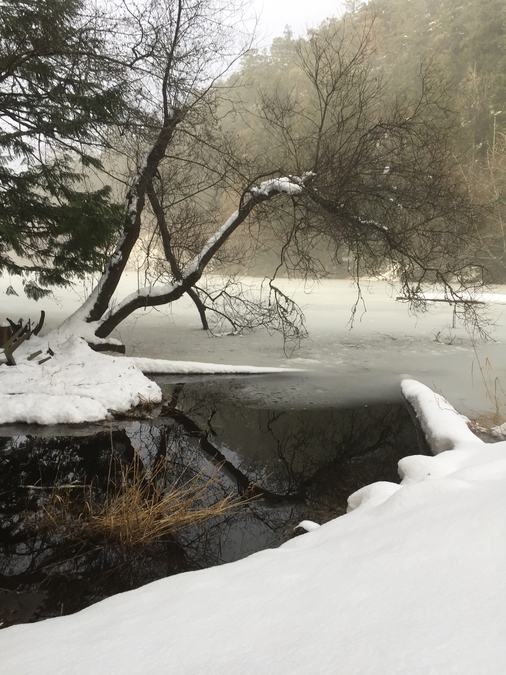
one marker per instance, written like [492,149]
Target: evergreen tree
[462,35]
[59,93]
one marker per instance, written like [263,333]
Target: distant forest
[375,145]
[461,43]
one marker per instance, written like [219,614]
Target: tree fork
[196,268]
[169,254]
[135,203]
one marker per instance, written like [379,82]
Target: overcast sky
[298,14]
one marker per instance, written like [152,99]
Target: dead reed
[140,507]
[493,424]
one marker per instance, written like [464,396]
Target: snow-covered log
[443,427]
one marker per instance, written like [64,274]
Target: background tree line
[463,47]
[349,145]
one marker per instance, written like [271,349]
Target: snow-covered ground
[79,385]
[410,582]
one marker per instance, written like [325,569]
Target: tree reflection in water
[286,466]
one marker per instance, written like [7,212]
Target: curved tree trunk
[201,308]
[153,297]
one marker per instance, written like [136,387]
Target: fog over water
[304,440]
[342,365]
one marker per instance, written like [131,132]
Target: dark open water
[296,464]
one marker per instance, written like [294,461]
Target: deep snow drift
[411,581]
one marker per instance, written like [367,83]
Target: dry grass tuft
[141,511]
[492,425]
[140,508]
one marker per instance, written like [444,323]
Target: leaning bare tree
[345,167]
[388,191]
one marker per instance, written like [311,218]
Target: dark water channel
[280,466]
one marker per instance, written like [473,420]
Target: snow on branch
[372,223]
[150,296]
[218,236]
[289,185]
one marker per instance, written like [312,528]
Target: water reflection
[318,455]
[285,466]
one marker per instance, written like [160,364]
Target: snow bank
[75,385]
[443,426]
[410,582]
[80,385]
[161,367]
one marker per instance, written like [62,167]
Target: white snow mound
[80,385]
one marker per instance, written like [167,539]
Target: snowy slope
[411,581]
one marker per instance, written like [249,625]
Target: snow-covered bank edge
[409,582]
[443,427]
[79,385]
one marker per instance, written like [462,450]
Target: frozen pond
[307,438]
[342,365]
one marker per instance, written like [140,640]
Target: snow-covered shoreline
[342,367]
[79,385]
[410,582]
